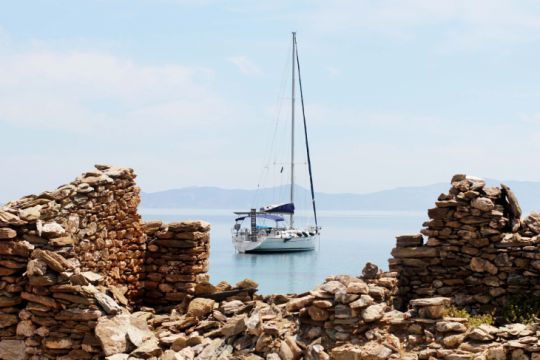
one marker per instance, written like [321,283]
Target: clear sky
[398,93]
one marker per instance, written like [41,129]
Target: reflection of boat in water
[279,237]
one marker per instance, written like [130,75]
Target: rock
[119,357]
[434,301]
[318,314]
[316,352]
[232,307]
[323,304]
[43,300]
[410,240]
[51,230]
[357,287]
[211,351]
[285,352]
[189,226]
[482,203]
[17,248]
[496,352]
[447,326]
[373,313]
[36,267]
[369,351]
[415,252]
[365,300]
[7,320]
[25,328]
[53,260]
[112,334]
[234,326]
[148,349]
[179,343]
[107,303]
[246,284]
[299,303]
[370,271]
[62,241]
[453,341]
[30,214]
[333,287]
[200,307]
[481,265]
[7,233]
[7,219]
[12,349]
[91,277]
[481,333]
[533,222]
[512,202]
[519,354]
[58,343]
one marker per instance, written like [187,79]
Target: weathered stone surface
[7,233]
[448,326]
[317,313]
[373,312]
[17,248]
[112,334]
[513,204]
[484,204]
[365,300]
[234,326]
[299,303]
[200,307]
[12,349]
[55,261]
[415,252]
[51,230]
[409,240]
[7,320]
[482,265]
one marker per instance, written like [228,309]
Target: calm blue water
[349,239]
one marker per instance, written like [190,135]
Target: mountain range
[414,198]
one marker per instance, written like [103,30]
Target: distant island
[414,198]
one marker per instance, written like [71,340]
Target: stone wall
[176,260]
[478,249]
[72,256]
[93,220]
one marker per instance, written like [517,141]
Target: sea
[348,240]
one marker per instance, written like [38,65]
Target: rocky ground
[344,318]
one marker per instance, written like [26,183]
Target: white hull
[274,243]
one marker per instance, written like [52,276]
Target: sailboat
[280,236]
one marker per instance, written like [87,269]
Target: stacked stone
[345,307]
[13,258]
[478,250]
[62,308]
[176,260]
[95,219]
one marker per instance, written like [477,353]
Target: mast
[291,222]
[307,142]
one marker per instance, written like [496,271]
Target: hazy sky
[186,92]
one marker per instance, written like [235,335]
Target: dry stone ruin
[478,249]
[82,277]
[80,252]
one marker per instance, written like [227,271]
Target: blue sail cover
[263,216]
[281,209]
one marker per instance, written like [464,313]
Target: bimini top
[263,216]
[281,208]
